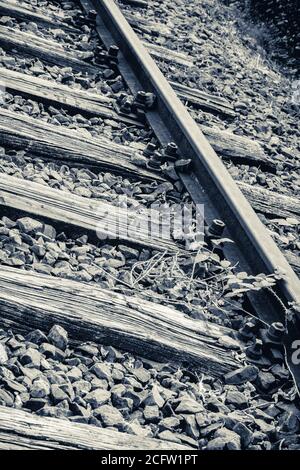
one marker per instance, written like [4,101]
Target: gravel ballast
[230,62]
[200,285]
[256,406]
[48,375]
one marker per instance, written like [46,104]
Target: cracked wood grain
[58,143]
[89,313]
[20,430]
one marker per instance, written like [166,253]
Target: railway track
[93,134]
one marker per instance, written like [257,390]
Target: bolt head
[113,51]
[171,149]
[246,331]
[125,106]
[140,97]
[255,350]
[155,161]
[216,228]
[92,14]
[276,332]
[150,149]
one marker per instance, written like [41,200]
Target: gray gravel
[285,232]
[102,186]
[197,288]
[231,62]
[83,43]
[65,75]
[94,126]
[56,6]
[49,375]
[285,181]
[255,407]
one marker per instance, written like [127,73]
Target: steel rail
[242,222]
[254,249]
